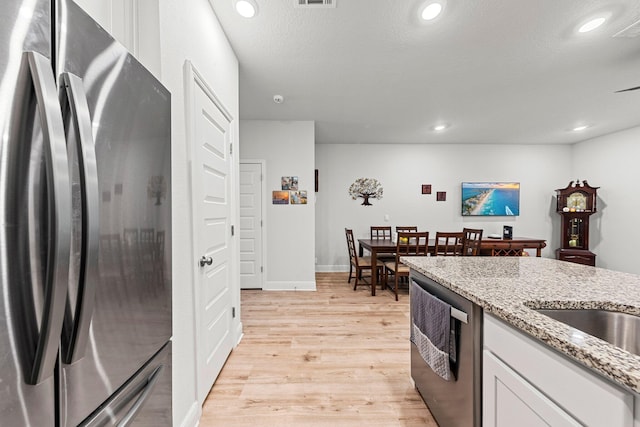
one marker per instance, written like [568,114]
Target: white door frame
[193,77]
[263,209]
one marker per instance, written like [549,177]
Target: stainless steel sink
[619,329]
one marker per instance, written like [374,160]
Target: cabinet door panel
[510,400]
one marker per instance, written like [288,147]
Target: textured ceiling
[497,71]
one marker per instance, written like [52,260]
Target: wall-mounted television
[490,198]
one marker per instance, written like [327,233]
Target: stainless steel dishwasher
[455,403]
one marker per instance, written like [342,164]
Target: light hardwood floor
[334,357]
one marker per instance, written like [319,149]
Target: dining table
[488,246]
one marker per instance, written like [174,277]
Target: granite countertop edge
[511,287]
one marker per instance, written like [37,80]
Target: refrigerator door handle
[140,388]
[57,271]
[151,382]
[76,329]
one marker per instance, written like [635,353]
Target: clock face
[577,200]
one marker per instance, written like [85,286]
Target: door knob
[205,260]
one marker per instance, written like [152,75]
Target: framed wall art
[289,183]
[490,198]
[280,197]
[298,197]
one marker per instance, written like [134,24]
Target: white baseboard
[289,286]
[332,268]
[239,334]
[192,419]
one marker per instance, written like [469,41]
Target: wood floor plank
[334,357]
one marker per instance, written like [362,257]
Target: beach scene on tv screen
[491,198]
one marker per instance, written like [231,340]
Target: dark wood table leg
[374,272]
[360,250]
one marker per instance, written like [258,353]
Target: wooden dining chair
[379,232]
[360,264]
[448,243]
[413,243]
[471,241]
[382,232]
[405,228]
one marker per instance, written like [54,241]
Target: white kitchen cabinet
[510,400]
[528,382]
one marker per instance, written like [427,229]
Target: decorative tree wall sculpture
[366,188]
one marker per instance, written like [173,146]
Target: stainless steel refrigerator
[85,225]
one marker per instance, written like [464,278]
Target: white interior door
[211,180]
[251,200]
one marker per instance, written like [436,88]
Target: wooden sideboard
[511,247]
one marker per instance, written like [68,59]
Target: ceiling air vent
[632,30]
[315,3]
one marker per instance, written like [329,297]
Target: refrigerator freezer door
[144,401]
[130,114]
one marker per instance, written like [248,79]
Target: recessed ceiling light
[440,127]
[580,128]
[431,11]
[246,8]
[591,25]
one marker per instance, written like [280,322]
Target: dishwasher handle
[459,315]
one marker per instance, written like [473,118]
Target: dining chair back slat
[471,241]
[382,232]
[412,243]
[448,243]
[379,232]
[405,228]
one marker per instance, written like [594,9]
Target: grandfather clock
[576,203]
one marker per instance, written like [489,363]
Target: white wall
[402,169]
[288,149]
[190,31]
[611,163]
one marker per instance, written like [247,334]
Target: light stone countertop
[508,286]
